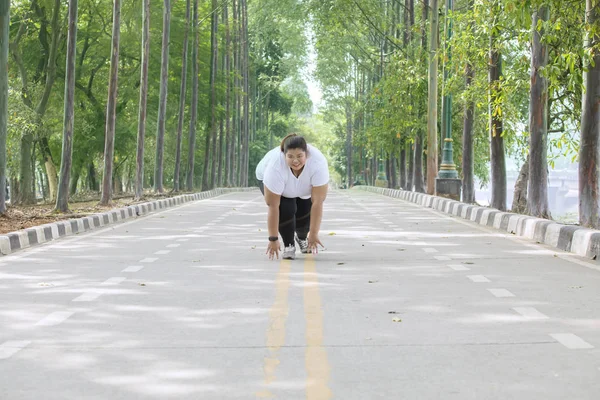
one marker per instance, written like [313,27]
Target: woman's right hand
[273,249]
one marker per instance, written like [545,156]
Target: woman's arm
[318,196]
[272,201]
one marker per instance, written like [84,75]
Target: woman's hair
[293,141]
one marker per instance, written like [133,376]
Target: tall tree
[468,181]
[62,199]
[4,24]
[246,94]
[418,176]
[162,102]
[228,136]
[589,162]
[206,177]
[182,98]
[214,67]
[111,107]
[194,105]
[497,156]
[432,107]
[537,194]
[141,138]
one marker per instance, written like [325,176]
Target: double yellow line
[316,363]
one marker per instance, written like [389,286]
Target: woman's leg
[303,207]
[287,220]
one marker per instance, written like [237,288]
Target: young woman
[294,179]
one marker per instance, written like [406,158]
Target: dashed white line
[571,341]
[55,318]
[148,260]
[530,312]
[161,252]
[430,250]
[458,267]
[478,278]
[174,245]
[501,293]
[114,281]
[90,296]
[442,258]
[11,347]
[133,268]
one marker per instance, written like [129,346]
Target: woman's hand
[313,241]
[273,249]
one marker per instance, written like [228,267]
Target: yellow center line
[276,331]
[317,365]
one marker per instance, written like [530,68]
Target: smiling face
[295,159]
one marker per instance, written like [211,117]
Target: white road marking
[114,280]
[161,252]
[530,312]
[430,250]
[571,341]
[478,278]
[133,268]
[55,318]
[458,267]
[148,260]
[501,293]
[442,258]
[174,245]
[90,296]
[11,347]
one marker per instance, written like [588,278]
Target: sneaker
[289,253]
[303,244]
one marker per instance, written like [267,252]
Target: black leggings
[294,216]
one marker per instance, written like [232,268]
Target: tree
[537,194]
[589,168]
[62,199]
[162,103]
[4,24]
[432,107]
[139,171]
[468,183]
[194,105]
[184,58]
[111,108]
[214,61]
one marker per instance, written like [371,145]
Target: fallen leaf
[468,262]
[401,249]
[45,284]
[373,281]
[393,312]
[331,233]
[340,263]
[253,247]
[397,320]
[142,284]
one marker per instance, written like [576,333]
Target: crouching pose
[294,179]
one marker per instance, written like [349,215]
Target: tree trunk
[589,168]
[519,204]
[537,194]
[141,137]
[93,183]
[418,175]
[50,168]
[182,89]
[214,61]
[4,24]
[468,182]
[349,150]
[403,166]
[497,157]
[76,174]
[62,198]
[162,103]
[228,144]
[432,106]
[245,74]
[111,107]
[194,106]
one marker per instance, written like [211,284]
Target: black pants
[294,216]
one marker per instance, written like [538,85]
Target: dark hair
[293,141]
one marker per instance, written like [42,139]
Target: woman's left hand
[313,241]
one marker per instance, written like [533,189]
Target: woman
[293,178]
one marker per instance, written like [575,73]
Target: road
[403,303]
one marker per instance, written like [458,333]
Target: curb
[14,241]
[574,239]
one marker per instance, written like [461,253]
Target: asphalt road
[403,303]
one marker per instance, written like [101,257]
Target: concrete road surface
[403,303]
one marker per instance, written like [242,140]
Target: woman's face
[295,159]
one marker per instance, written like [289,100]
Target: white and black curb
[581,241]
[13,241]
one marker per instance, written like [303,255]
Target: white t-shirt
[278,177]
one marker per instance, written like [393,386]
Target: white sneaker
[303,244]
[289,253]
